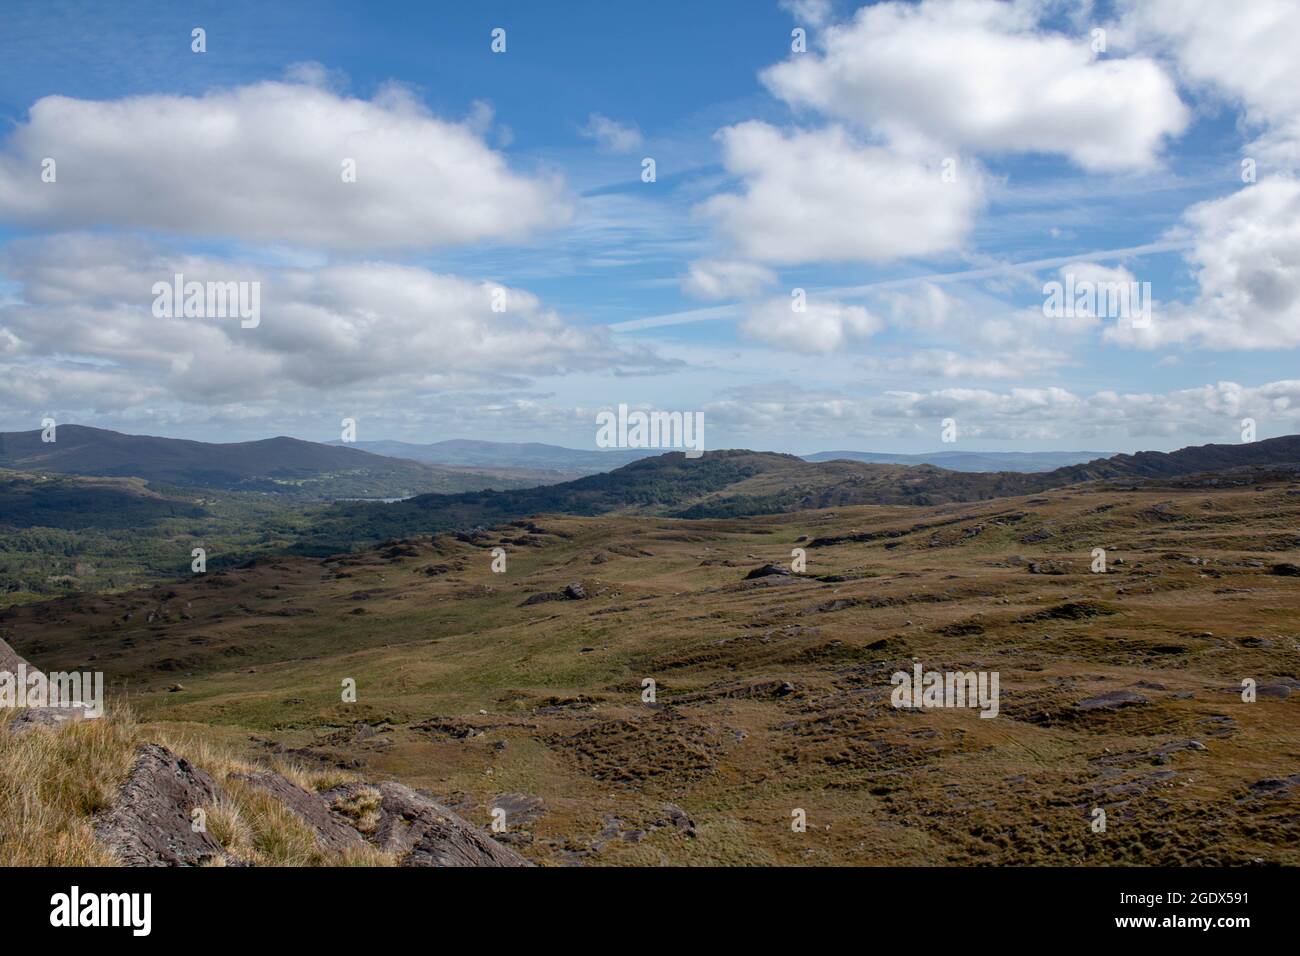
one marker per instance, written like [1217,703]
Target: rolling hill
[534,456]
[969,460]
[737,483]
[568,463]
[287,466]
[523,689]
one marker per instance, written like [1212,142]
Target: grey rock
[31,718]
[10,660]
[679,818]
[767,571]
[151,824]
[331,833]
[520,808]
[422,832]
[1112,700]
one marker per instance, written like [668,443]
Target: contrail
[729,311]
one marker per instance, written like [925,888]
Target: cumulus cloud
[984,76]
[933,313]
[726,279]
[1246,261]
[611,135]
[820,195]
[823,326]
[85,307]
[265,163]
[1247,55]
[927,309]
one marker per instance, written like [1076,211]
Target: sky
[855,217]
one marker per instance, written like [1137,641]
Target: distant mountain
[1026,461]
[277,465]
[556,462]
[728,484]
[655,485]
[515,455]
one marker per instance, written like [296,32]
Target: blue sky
[776,170]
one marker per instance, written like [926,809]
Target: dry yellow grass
[53,782]
[362,808]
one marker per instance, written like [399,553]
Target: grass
[464,692]
[54,782]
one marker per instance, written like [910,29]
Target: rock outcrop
[768,571]
[331,832]
[9,659]
[422,832]
[152,823]
[30,718]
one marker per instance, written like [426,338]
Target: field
[1121,691]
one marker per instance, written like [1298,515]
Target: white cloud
[726,279]
[814,196]
[982,75]
[1246,261]
[1205,413]
[927,309]
[1247,53]
[611,135]
[807,13]
[945,363]
[930,312]
[380,329]
[264,163]
[822,327]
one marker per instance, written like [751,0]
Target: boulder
[31,718]
[572,592]
[680,819]
[422,832]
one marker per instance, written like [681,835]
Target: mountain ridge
[735,483]
[281,464]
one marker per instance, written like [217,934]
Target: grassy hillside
[730,484]
[969,460]
[1119,690]
[651,485]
